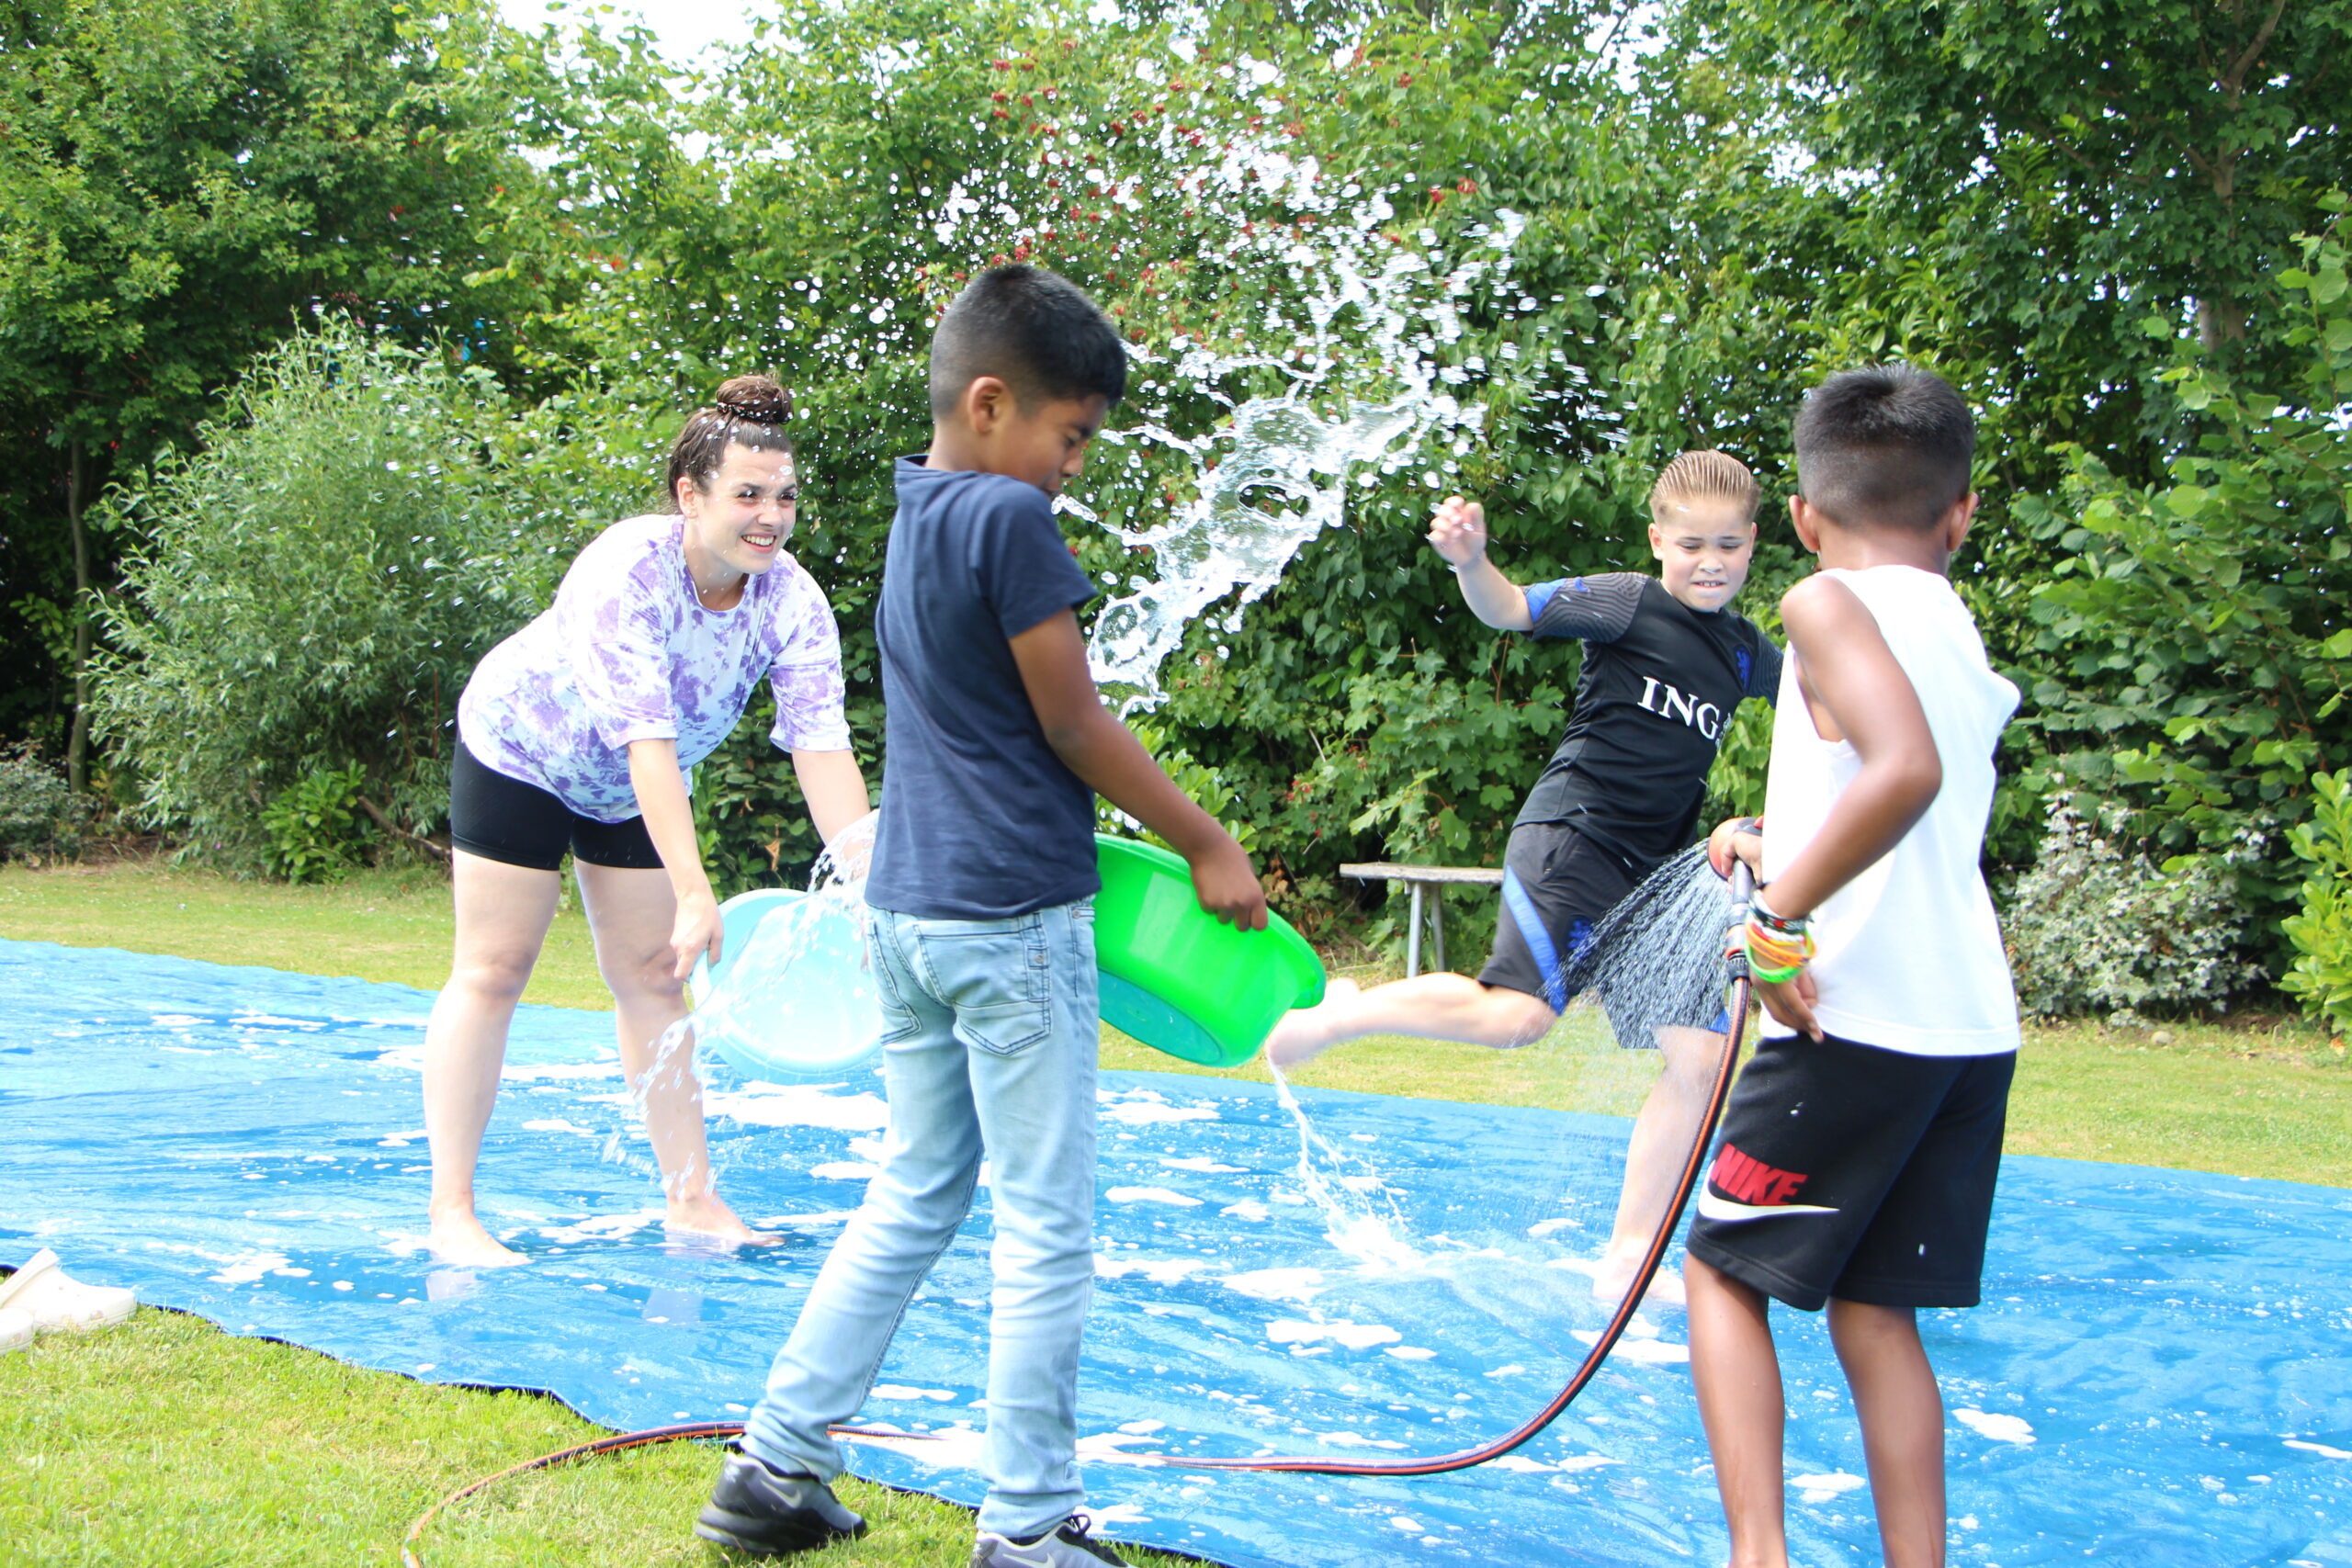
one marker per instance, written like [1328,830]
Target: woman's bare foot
[457,1237]
[1304,1033]
[709,1215]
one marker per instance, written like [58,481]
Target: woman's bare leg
[502,917]
[1663,1134]
[631,913]
[1427,1007]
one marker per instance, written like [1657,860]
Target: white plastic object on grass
[15,1329]
[41,1291]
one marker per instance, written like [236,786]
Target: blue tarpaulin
[2161,1374]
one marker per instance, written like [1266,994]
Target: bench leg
[1413,934]
[1437,928]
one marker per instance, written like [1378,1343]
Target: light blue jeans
[991,1038]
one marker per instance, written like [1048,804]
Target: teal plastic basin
[815,1015]
[1178,978]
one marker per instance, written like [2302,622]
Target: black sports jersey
[1659,684]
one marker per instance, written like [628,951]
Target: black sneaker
[1068,1547]
[768,1512]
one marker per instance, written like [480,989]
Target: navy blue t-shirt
[980,819]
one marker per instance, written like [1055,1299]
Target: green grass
[170,1443]
[166,1442]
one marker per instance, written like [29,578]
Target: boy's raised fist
[1458,531]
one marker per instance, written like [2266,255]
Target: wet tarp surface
[2162,1373]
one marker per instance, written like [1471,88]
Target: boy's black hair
[1884,445]
[1035,330]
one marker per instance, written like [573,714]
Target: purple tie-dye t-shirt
[627,652]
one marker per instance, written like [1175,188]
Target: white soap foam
[604,1227]
[1354,1336]
[1203,1164]
[902,1392]
[1119,1513]
[1278,1285]
[2320,1449]
[1247,1209]
[1142,1113]
[1410,1353]
[1999,1428]
[1399,1521]
[557,1124]
[1159,1270]
[1151,1195]
[251,1267]
[801,1105]
[1817,1489]
[526,1072]
[845,1171]
[1356,1441]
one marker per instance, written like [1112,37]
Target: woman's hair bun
[758,398]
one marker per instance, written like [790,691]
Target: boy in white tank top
[1858,1153]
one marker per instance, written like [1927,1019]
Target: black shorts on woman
[513,823]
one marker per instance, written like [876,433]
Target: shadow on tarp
[2162,1373]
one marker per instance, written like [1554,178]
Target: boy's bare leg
[1662,1136]
[1902,1413]
[631,912]
[1428,1007]
[1737,1375]
[503,914]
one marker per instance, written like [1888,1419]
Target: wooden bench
[1418,879]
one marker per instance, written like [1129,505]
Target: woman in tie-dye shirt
[579,733]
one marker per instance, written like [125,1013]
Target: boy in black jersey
[1666,664]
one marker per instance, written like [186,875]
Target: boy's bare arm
[1852,681]
[1051,657]
[1458,533]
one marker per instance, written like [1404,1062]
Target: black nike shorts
[515,823]
[1848,1171]
[1557,885]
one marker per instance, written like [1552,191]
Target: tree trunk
[78,743]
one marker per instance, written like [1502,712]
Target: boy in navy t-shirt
[1667,662]
[983,938]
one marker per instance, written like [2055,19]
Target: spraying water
[1359,1216]
[1656,959]
[1366,392]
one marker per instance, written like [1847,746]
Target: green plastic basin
[1178,978]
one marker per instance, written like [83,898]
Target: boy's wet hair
[1706,476]
[749,410]
[1036,332]
[1886,445]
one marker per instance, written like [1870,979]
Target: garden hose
[1743,887]
[693,1432]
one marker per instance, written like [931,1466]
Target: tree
[181,180]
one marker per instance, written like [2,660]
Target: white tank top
[1908,955]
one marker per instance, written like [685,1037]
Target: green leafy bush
[2097,927]
[2322,974]
[316,830]
[313,589]
[2189,655]
[39,813]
